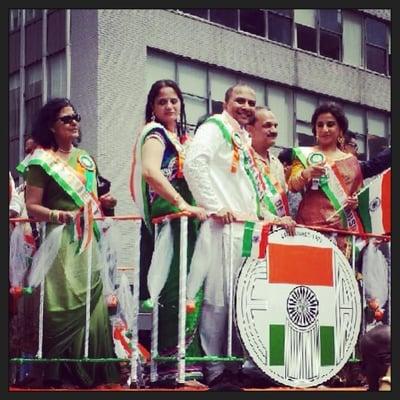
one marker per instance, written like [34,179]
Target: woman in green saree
[61,181]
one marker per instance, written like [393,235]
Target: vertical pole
[41,304]
[135,305]
[88,289]
[230,289]
[182,299]
[154,329]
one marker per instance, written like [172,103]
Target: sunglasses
[67,119]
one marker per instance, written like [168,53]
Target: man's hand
[107,201]
[288,223]
[224,216]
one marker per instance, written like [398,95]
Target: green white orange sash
[275,198]
[137,183]
[68,180]
[333,187]
[249,162]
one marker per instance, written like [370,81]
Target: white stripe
[375,191]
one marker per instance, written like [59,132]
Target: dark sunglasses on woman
[67,119]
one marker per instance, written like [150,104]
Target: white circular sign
[298,311]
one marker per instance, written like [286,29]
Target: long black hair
[153,93]
[45,119]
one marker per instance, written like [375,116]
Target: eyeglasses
[272,134]
[67,119]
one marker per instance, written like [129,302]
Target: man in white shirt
[221,181]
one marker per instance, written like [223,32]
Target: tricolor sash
[67,178]
[275,199]
[239,149]
[331,184]
[138,186]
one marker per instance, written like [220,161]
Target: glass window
[352,39]
[306,38]
[330,20]
[56,31]
[259,88]
[305,106]
[220,82]
[376,123]
[376,45]
[195,108]
[376,32]
[376,59]
[281,104]
[13,105]
[225,16]
[33,42]
[57,75]
[15,19]
[158,67]
[355,115]
[279,28]
[192,78]
[31,14]
[329,45]
[305,17]
[198,12]
[33,93]
[252,21]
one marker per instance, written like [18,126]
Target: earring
[340,140]
[153,117]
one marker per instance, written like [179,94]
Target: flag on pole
[304,339]
[374,204]
[255,239]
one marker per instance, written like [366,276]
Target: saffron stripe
[386,201]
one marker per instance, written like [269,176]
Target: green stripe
[247,238]
[225,132]
[276,345]
[363,207]
[327,345]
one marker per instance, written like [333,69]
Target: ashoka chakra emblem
[302,306]
[374,204]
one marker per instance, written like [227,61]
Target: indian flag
[301,297]
[255,240]
[374,204]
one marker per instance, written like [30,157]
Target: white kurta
[207,170]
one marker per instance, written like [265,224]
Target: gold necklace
[65,151]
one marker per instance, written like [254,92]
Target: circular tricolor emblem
[298,309]
[86,162]
[315,158]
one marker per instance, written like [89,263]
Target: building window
[252,21]
[376,45]
[306,33]
[305,107]
[15,19]
[280,26]
[225,16]
[352,38]
[330,33]
[57,75]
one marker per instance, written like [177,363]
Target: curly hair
[45,119]
[153,93]
[336,110]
